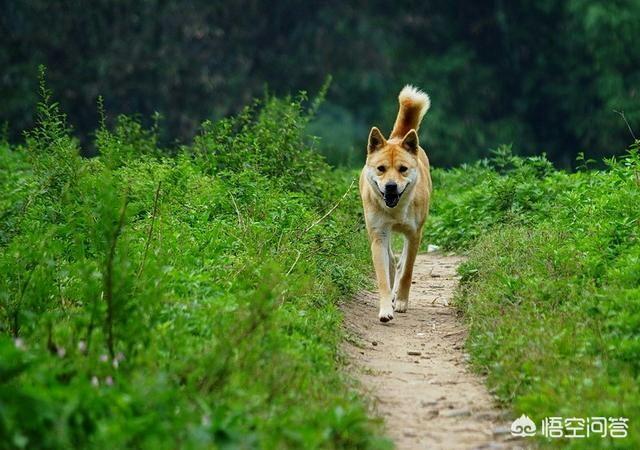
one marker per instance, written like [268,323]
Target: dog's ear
[376,140]
[410,141]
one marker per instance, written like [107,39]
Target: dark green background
[544,75]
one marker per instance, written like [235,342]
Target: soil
[415,368]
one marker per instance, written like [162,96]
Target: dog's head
[392,165]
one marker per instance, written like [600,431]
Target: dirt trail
[415,369]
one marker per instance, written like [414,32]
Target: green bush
[185,301]
[551,289]
[543,75]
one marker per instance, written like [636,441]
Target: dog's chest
[397,219]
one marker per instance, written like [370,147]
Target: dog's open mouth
[391,200]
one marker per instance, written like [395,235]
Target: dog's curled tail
[413,106]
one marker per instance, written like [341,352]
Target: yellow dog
[395,186]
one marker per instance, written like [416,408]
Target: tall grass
[551,290]
[185,301]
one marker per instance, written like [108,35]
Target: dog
[395,187]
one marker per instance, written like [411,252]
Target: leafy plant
[551,289]
[151,300]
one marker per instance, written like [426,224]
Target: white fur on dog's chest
[386,219]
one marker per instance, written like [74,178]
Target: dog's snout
[391,188]
[391,195]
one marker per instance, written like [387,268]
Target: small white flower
[109,380]
[19,343]
[94,381]
[206,420]
[115,363]
[61,352]
[119,356]
[104,358]
[82,346]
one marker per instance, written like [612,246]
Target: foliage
[149,301]
[551,290]
[545,76]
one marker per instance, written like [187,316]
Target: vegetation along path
[415,369]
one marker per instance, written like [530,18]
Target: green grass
[185,301]
[551,290]
[187,298]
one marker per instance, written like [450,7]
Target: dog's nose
[391,188]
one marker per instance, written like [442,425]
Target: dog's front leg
[381,262]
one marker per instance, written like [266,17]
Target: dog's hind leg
[412,244]
[393,273]
[398,270]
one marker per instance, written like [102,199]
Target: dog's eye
[403,169]
[381,168]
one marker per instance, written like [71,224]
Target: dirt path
[415,369]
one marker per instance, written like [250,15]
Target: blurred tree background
[544,75]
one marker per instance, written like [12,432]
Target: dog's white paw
[385,314]
[401,306]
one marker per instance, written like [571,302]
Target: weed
[183,299]
[551,289]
